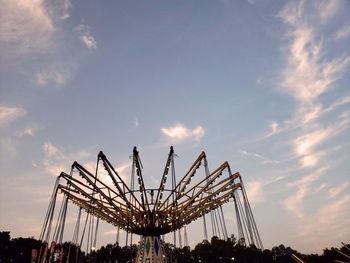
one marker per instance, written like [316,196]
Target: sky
[261,84]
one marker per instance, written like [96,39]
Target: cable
[76,229]
[205,228]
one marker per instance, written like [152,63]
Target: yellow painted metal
[117,204]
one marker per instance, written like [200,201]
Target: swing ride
[149,213]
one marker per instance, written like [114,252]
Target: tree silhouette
[215,251]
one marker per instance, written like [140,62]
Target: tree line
[213,251]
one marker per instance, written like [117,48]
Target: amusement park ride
[150,213]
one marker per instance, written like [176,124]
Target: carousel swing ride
[149,213]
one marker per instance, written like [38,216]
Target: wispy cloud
[274,128]
[26,26]
[86,37]
[8,147]
[328,9]
[180,132]
[258,156]
[333,192]
[50,150]
[29,26]
[310,73]
[311,160]
[56,159]
[122,170]
[136,123]
[294,203]
[306,143]
[35,36]
[49,75]
[9,114]
[256,189]
[343,32]
[330,223]
[256,193]
[26,131]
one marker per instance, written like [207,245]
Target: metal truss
[158,211]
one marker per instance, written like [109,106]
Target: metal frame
[118,204]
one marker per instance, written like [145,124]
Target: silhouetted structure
[150,213]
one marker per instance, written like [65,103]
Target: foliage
[215,251]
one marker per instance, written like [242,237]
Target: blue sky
[261,84]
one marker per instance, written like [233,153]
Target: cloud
[36,43]
[338,103]
[308,73]
[328,9]
[256,193]
[333,192]
[49,75]
[89,41]
[9,114]
[294,202]
[311,160]
[136,123]
[8,147]
[258,156]
[50,150]
[321,187]
[255,189]
[65,5]
[86,37]
[27,131]
[56,159]
[180,132]
[329,223]
[274,127]
[343,32]
[28,26]
[122,170]
[306,143]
